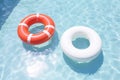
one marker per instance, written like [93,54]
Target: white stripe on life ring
[29,38]
[23,24]
[37,15]
[46,32]
[50,26]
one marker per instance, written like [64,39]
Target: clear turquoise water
[19,61]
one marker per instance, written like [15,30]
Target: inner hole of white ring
[80,41]
[36,28]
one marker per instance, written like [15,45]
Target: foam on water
[37,68]
[37,65]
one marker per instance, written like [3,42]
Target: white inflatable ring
[81,55]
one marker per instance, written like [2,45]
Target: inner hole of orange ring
[36,28]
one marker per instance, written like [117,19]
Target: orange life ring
[38,38]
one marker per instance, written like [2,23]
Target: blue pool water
[19,61]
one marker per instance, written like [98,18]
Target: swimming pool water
[19,61]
